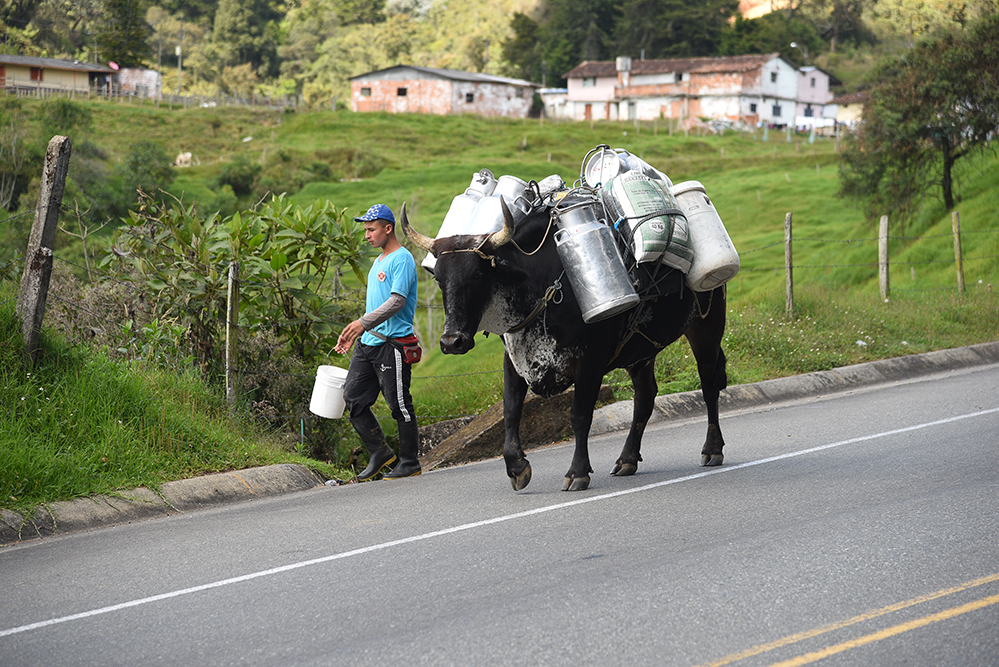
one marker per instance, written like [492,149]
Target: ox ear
[508,274]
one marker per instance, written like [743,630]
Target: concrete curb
[211,490]
[180,496]
[617,416]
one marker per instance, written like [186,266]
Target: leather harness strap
[549,294]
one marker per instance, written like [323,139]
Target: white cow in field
[186,160]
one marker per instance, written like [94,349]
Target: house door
[632,114]
[588,113]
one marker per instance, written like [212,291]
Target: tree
[65,117]
[522,52]
[15,152]
[124,33]
[245,32]
[933,106]
[563,34]
[772,33]
[146,167]
[672,28]
[838,20]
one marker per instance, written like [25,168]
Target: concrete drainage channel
[481,438]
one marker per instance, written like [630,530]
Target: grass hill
[357,159]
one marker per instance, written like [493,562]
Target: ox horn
[419,240]
[504,235]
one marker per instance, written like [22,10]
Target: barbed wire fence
[880,264]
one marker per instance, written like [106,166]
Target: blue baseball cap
[377,212]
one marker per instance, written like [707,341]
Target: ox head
[468,271]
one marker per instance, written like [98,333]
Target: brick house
[140,82]
[27,74]
[411,89]
[743,90]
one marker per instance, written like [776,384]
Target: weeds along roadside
[79,423]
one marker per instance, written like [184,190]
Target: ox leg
[583,402]
[643,378]
[705,342]
[514,392]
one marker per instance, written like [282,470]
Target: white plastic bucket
[716,260]
[327,393]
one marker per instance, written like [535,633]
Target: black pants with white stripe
[378,369]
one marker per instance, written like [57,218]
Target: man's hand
[350,333]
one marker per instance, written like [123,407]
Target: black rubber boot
[409,462]
[376,461]
[379,453]
[404,468]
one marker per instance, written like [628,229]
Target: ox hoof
[521,481]
[622,469]
[712,460]
[576,483]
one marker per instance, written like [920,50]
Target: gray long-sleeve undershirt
[391,306]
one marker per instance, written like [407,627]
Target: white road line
[478,524]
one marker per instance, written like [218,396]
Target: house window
[36,73]
[365,92]
[752,108]
[679,76]
[808,112]
[401,92]
[812,82]
[469,98]
[773,77]
[589,81]
[520,93]
[776,111]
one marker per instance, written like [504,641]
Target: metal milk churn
[457,217]
[716,260]
[592,261]
[603,163]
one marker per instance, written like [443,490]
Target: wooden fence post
[955,223]
[38,256]
[883,258]
[788,269]
[231,317]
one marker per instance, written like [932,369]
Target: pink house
[813,96]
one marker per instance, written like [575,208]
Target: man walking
[377,364]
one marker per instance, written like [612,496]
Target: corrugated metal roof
[699,65]
[454,75]
[53,63]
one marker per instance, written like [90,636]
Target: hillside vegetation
[754,180]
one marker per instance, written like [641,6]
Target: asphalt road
[860,528]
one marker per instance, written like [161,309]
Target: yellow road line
[888,632]
[808,634]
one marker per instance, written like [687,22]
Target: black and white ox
[498,283]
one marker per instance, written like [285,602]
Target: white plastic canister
[716,260]
[458,215]
[488,214]
[327,392]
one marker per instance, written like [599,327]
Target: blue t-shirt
[393,274]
